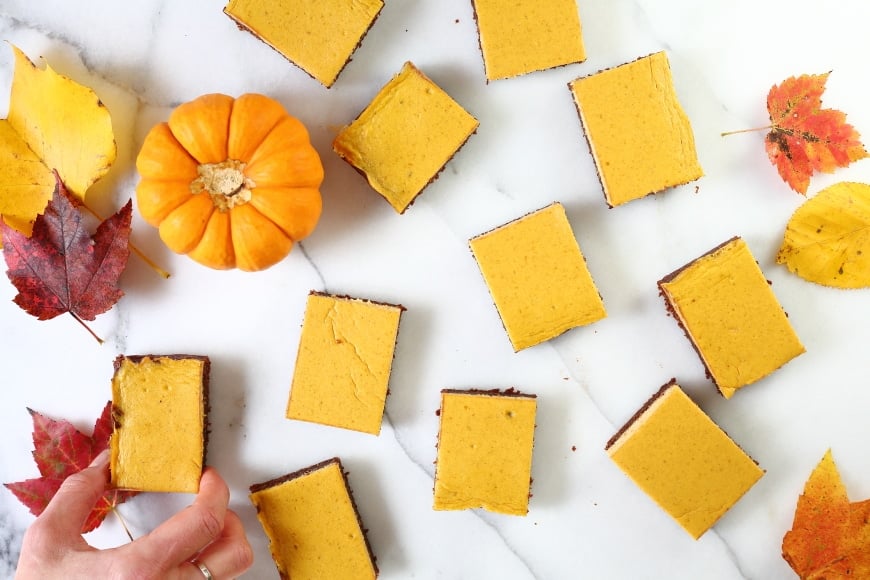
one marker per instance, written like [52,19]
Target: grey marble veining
[10,542]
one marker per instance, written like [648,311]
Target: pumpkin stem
[225,182]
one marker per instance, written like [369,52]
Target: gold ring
[203,568]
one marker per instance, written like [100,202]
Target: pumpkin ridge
[275,203]
[183,228]
[163,157]
[215,248]
[274,222]
[196,126]
[252,119]
[157,198]
[257,241]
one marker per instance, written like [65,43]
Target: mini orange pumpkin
[230,182]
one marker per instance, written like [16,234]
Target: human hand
[206,532]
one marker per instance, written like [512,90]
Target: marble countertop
[586,519]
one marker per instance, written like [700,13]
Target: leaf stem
[754,129]
[123,522]
[151,263]
[160,271]
[88,328]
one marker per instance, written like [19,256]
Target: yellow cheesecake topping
[159,408]
[537,277]
[679,457]
[312,524]
[344,361]
[528,36]
[638,133]
[405,136]
[485,451]
[318,36]
[732,316]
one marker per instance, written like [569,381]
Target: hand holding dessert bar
[205,539]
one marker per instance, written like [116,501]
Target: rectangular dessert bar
[682,460]
[344,362]
[529,36]
[637,131]
[313,525]
[318,36]
[160,407]
[485,451]
[537,277]
[729,312]
[405,136]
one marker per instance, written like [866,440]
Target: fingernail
[101,459]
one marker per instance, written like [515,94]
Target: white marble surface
[586,519]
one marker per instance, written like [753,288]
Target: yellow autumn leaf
[54,123]
[26,185]
[827,240]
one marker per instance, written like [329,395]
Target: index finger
[183,535]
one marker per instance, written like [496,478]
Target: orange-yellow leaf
[804,137]
[827,240]
[64,126]
[830,537]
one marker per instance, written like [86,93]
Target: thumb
[77,496]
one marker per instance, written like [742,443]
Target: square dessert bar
[729,312]
[405,136]
[344,361]
[313,526]
[159,406]
[318,36]
[485,451]
[537,277]
[679,457]
[529,36]
[638,134]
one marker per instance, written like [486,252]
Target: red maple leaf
[805,138]
[61,450]
[60,268]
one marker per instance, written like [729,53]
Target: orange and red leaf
[804,137]
[830,537]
